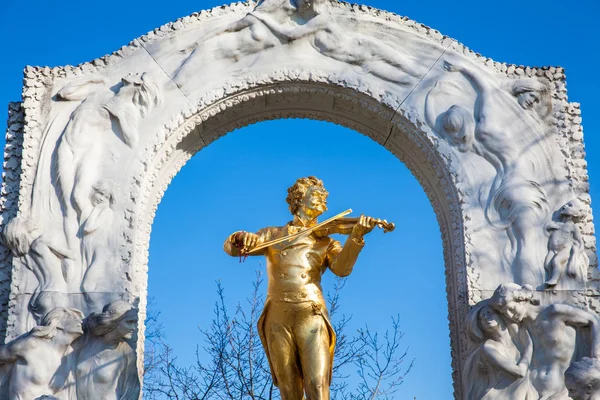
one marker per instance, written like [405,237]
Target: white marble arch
[394,81]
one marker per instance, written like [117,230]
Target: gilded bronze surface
[294,327]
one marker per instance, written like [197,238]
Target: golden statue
[294,327]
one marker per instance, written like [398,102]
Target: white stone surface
[91,149]
[583,379]
[105,366]
[525,344]
[38,363]
[68,358]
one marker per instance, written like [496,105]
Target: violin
[336,224]
[344,226]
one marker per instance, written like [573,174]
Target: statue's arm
[577,317]
[318,23]
[578,238]
[52,244]
[572,315]
[81,89]
[311,26]
[242,240]
[478,79]
[341,260]
[235,26]
[14,350]
[498,360]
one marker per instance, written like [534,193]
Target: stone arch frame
[406,137]
[286,93]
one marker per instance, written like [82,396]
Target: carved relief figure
[98,244]
[39,365]
[554,330]
[294,328]
[45,257]
[583,379]
[456,124]
[508,131]
[498,368]
[566,252]
[106,364]
[239,39]
[276,22]
[332,40]
[79,152]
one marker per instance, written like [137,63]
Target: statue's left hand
[365,225]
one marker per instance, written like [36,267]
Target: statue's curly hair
[18,234]
[54,320]
[508,292]
[112,314]
[297,191]
[585,372]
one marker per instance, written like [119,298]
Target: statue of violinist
[294,327]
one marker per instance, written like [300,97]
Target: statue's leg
[99,276]
[388,72]
[527,268]
[65,160]
[282,351]
[86,176]
[552,273]
[548,263]
[313,340]
[559,265]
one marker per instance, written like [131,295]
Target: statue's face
[314,202]
[516,310]
[528,100]
[578,392]
[126,326]
[570,208]
[73,325]
[100,197]
[489,319]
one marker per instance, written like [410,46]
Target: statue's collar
[298,222]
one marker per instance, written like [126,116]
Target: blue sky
[240,181]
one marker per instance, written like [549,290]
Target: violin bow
[299,234]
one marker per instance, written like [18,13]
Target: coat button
[282,275]
[284,253]
[303,275]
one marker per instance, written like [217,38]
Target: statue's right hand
[245,241]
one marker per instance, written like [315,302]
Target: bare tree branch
[238,367]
